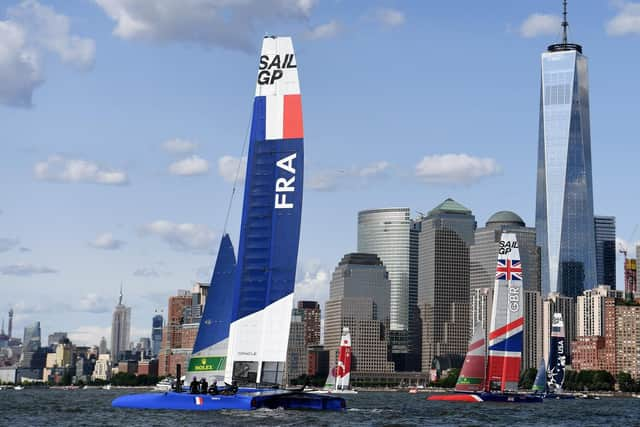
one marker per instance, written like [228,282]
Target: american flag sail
[507,320]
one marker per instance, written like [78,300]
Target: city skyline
[83,239]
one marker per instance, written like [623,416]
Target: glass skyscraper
[392,235]
[605,229]
[564,205]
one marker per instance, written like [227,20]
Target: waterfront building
[180,331]
[446,234]
[120,329]
[359,300]
[590,310]
[297,359]
[595,346]
[628,339]
[156,334]
[102,368]
[389,233]
[556,303]
[605,232]
[64,354]
[564,203]
[311,321]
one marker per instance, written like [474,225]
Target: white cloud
[455,168]
[626,22]
[57,168]
[332,180]
[313,284]
[31,31]
[25,270]
[324,31]
[178,145]
[6,244]
[389,17]
[538,24]
[183,237]
[193,165]
[93,303]
[228,168]
[106,241]
[149,272]
[230,24]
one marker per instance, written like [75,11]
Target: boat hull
[241,401]
[487,397]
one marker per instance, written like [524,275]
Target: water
[92,407]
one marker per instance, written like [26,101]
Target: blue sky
[122,123]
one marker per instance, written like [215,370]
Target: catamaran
[244,330]
[339,375]
[557,360]
[498,380]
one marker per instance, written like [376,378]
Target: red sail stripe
[292,126]
[506,328]
[475,345]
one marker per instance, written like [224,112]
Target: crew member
[204,386]
[194,386]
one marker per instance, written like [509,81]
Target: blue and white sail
[557,355]
[209,355]
[270,230]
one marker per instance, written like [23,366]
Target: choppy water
[93,407]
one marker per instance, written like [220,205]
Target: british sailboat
[244,330]
[498,380]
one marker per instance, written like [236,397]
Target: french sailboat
[497,381]
[244,330]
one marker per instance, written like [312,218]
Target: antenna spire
[565,24]
[120,299]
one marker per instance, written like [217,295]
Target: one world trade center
[564,203]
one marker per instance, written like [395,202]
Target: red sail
[472,375]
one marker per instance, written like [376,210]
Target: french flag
[199,400]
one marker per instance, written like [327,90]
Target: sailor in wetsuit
[194,387]
[204,386]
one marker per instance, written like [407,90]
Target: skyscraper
[388,234]
[605,231]
[359,300]
[443,280]
[120,329]
[311,319]
[102,347]
[156,334]
[296,349]
[564,203]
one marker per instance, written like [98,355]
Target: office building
[55,338]
[120,329]
[311,320]
[446,234]
[156,334]
[564,203]
[605,232]
[359,300]
[389,233]
[590,310]
[297,358]
[628,339]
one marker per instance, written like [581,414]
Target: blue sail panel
[216,318]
